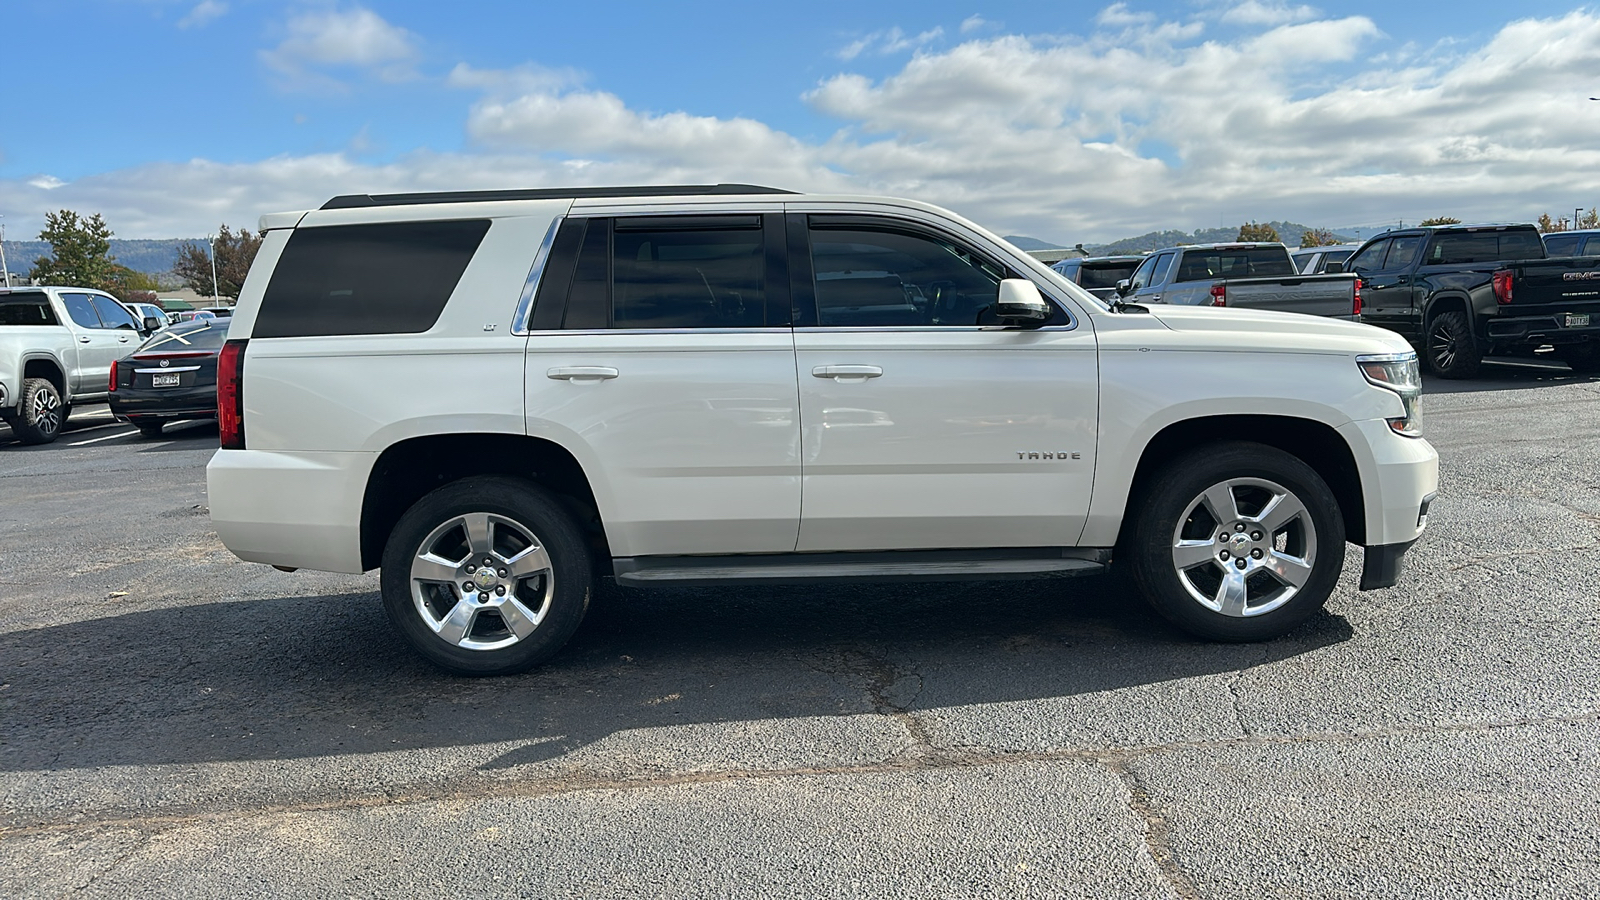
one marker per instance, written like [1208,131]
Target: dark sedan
[173,375]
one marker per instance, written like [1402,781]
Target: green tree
[1318,237]
[235,253]
[80,252]
[1252,231]
[1441,220]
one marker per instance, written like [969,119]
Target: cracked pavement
[167,710]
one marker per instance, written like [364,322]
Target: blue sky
[1066,120]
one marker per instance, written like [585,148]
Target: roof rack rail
[358,201]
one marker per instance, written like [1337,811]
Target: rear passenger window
[32,308]
[1567,245]
[390,278]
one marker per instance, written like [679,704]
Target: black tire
[40,413]
[1449,347]
[475,638]
[150,428]
[1583,359]
[1172,517]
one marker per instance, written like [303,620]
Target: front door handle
[582,374]
[83,339]
[844,374]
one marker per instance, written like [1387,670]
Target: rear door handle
[847,373]
[581,374]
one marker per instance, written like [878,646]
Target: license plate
[164,380]
[1577,320]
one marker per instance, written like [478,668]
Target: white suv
[498,396]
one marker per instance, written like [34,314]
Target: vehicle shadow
[182,435]
[311,676]
[1507,375]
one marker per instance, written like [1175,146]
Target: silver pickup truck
[56,349]
[1248,275]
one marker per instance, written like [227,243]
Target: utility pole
[210,242]
[5,270]
[1576,215]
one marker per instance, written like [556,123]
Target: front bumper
[1399,480]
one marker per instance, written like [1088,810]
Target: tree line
[80,256]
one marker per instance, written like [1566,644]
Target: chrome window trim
[519,320]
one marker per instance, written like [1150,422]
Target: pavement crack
[145,837]
[1157,831]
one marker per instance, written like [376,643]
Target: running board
[841,568]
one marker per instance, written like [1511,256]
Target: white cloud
[1069,138]
[1117,15]
[1273,12]
[973,23]
[204,13]
[355,39]
[893,40]
[46,182]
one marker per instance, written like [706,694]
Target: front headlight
[1400,373]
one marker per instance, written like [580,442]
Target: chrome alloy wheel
[482,581]
[46,412]
[1244,547]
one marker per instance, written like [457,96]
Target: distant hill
[1289,232]
[152,256]
[1023,242]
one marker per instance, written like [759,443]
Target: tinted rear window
[32,308]
[1564,245]
[1459,247]
[393,278]
[1244,262]
[1106,275]
[189,336]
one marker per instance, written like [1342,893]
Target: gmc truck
[1243,275]
[1460,293]
[56,349]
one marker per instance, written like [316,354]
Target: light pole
[5,270]
[215,298]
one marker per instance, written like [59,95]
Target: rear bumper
[290,508]
[133,404]
[1504,331]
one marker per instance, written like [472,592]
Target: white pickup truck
[56,349]
[497,397]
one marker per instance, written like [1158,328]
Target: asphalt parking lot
[174,722]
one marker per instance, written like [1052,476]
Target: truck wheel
[486,576]
[1450,349]
[40,413]
[1583,359]
[1237,542]
[150,428]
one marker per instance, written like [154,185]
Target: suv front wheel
[486,576]
[1237,542]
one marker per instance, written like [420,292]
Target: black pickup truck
[1463,292]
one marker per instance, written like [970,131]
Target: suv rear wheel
[1237,542]
[486,576]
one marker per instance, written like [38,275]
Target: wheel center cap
[486,579]
[1239,542]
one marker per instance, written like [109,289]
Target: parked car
[1315,260]
[220,312]
[171,376]
[191,315]
[173,306]
[1442,289]
[1252,275]
[1098,274]
[56,349]
[1573,243]
[496,397]
[142,311]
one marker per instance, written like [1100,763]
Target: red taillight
[113,387]
[1502,286]
[1219,294]
[230,395]
[1355,302]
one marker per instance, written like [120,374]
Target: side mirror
[1020,299]
[1333,268]
[1124,287]
[152,324]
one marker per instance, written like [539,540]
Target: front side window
[1402,251]
[867,277]
[1141,276]
[1370,258]
[81,309]
[112,313]
[1163,265]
